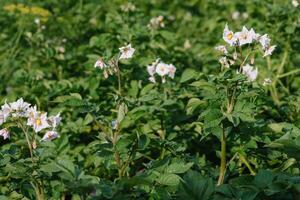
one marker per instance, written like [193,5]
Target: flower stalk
[223,159]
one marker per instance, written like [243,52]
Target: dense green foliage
[167,141]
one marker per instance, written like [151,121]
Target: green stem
[244,160]
[289,73]
[25,131]
[119,81]
[39,191]
[223,159]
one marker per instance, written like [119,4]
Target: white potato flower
[152,79]
[38,122]
[250,72]
[37,21]
[224,62]
[31,112]
[295,3]
[229,36]
[162,69]
[126,52]
[50,135]
[6,111]
[244,37]
[151,69]
[222,49]
[156,22]
[269,50]
[4,133]
[54,120]
[128,7]
[100,64]
[235,15]
[264,40]
[172,70]
[255,36]
[19,108]
[245,15]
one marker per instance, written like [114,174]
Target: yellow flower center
[229,36]
[38,122]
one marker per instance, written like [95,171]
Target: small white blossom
[34,145]
[152,79]
[50,135]
[250,72]
[222,49]
[229,36]
[38,121]
[162,69]
[5,111]
[37,21]
[54,120]
[264,40]
[235,15]
[157,22]
[128,7]
[244,37]
[269,50]
[295,3]
[151,69]
[172,70]
[19,108]
[245,15]
[187,44]
[253,35]
[100,64]
[31,112]
[224,62]
[234,55]
[4,133]
[126,52]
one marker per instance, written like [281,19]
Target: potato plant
[150,99]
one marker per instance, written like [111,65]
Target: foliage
[122,136]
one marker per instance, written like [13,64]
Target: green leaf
[168,179]
[263,178]
[193,104]
[188,74]
[122,112]
[195,187]
[178,168]
[143,141]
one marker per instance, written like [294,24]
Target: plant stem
[289,73]
[244,160]
[223,159]
[119,81]
[28,141]
[39,191]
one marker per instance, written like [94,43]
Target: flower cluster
[111,67]
[236,15]
[128,7]
[162,69]
[248,37]
[295,3]
[236,41]
[157,22]
[38,121]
